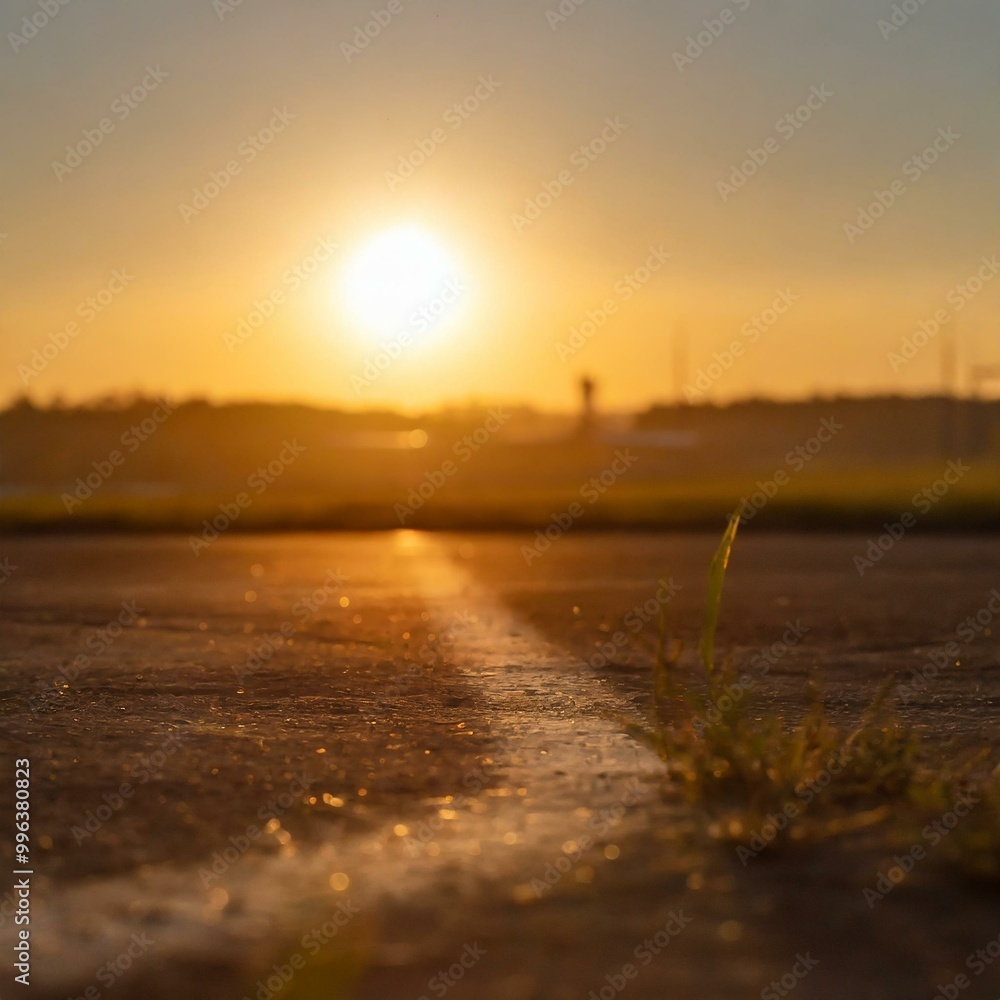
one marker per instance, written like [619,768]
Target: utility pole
[680,362]
[948,362]
[986,413]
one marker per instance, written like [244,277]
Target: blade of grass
[716,577]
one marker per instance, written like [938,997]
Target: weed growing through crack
[749,767]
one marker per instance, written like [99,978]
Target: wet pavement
[394,765]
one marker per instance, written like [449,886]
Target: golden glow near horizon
[780,203]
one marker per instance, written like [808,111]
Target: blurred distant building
[588,388]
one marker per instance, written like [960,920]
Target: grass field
[848,499]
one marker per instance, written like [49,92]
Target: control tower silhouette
[588,389]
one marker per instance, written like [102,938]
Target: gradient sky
[324,177]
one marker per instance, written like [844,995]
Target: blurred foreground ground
[424,733]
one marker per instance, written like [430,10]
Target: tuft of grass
[745,763]
[971,846]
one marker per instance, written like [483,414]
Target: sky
[699,200]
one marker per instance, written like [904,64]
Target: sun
[402,280]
